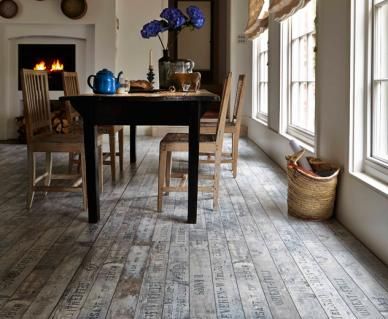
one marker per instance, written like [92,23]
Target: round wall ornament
[8,9]
[74,9]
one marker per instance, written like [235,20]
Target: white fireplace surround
[82,36]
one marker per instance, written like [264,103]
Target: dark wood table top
[157,96]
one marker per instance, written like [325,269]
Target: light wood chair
[233,126]
[209,143]
[71,87]
[41,138]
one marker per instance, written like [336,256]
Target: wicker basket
[310,195]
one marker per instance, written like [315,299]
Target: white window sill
[259,121]
[371,182]
[306,146]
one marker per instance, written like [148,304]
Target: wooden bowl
[191,80]
[74,9]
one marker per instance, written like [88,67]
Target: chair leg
[83,174]
[235,141]
[49,168]
[31,178]
[100,168]
[217,169]
[161,179]
[168,169]
[112,151]
[121,149]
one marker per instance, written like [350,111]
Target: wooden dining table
[144,108]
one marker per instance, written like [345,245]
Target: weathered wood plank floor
[246,260]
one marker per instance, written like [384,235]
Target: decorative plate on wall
[8,9]
[74,9]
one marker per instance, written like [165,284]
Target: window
[261,77]
[369,93]
[298,73]
[376,151]
[379,125]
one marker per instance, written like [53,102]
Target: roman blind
[257,18]
[282,9]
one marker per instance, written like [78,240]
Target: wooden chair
[71,87]
[233,126]
[209,143]
[41,138]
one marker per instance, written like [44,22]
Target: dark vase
[164,70]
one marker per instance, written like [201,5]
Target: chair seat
[184,138]
[210,115]
[53,142]
[210,128]
[64,142]
[180,142]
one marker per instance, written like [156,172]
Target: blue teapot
[104,82]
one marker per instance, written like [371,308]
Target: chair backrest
[36,102]
[70,88]
[237,111]
[223,109]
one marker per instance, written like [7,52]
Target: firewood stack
[59,122]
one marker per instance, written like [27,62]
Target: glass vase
[164,70]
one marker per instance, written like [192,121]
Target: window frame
[288,128]
[372,166]
[257,82]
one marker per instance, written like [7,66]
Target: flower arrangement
[173,19]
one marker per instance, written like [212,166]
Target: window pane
[311,61]
[380,83]
[302,95]
[295,76]
[380,122]
[262,74]
[382,34]
[304,56]
[263,106]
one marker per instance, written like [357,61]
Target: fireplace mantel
[43,22]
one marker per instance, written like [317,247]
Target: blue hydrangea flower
[175,18]
[152,29]
[197,19]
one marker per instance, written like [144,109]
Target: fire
[55,66]
[41,66]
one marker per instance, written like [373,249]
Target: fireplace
[53,58]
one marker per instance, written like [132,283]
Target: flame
[56,66]
[41,66]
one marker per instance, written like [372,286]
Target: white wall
[132,49]
[240,52]
[132,53]
[361,209]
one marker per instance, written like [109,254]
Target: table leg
[132,143]
[90,133]
[193,163]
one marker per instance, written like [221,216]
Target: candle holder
[151,75]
